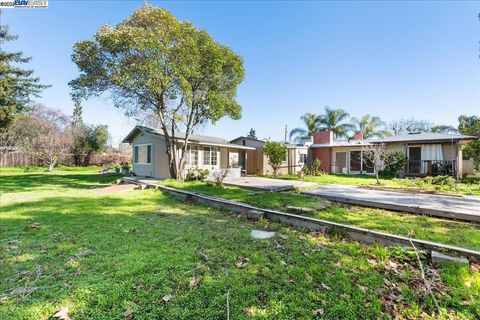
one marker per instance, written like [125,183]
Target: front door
[414,160]
[241,160]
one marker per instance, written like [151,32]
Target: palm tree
[311,125]
[334,120]
[371,126]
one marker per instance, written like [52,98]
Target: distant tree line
[31,127]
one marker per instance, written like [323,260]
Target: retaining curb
[354,233]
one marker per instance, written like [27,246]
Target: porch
[216,158]
[431,168]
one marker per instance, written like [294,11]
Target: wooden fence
[18,158]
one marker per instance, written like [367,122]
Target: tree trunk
[86,160]
[51,165]
[76,158]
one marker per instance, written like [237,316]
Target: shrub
[191,176]
[202,174]
[314,170]
[197,174]
[275,152]
[117,168]
[394,162]
[126,166]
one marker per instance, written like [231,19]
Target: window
[303,158]
[367,163]
[209,156]
[356,161]
[233,160]
[143,154]
[193,156]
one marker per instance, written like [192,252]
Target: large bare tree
[153,64]
[46,134]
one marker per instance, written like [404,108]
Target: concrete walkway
[114,189]
[462,208]
[266,184]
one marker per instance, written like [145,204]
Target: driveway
[462,208]
[266,184]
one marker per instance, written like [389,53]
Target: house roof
[246,138]
[194,138]
[421,137]
[426,137]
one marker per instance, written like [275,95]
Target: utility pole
[285,133]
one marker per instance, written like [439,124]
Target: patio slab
[465,208]
[266,184]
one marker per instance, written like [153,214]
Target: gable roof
[246,138]
[426,137]
[421,137]
[194,138]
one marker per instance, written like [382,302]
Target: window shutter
[149,154]
[135,154]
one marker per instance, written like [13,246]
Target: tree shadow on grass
[53,181]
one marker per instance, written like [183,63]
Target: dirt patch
[115,189]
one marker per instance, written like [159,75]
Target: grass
[104,255]
[470,186]
[462,234]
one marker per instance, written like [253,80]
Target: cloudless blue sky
[391,59]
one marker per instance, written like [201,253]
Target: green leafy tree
[79,134]
[17,86]
[470,125]
[252,134]
[335,120]
[371,126]
[275,152]
[153,64]
[311,122]
[96,141]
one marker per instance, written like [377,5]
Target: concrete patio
[266,184]
[465,208]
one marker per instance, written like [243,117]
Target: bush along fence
[19,158]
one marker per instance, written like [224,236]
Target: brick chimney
[323,137]
[358,135]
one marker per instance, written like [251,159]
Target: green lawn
[462,234]
[470,186]
[105,256]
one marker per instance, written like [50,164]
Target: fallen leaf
[363,288]
[318,312]
[84,253]
[324,286]
[167,297]
[194,282]
[128,314]
[242,263]
[62,314]
[249,311]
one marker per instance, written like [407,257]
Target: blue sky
[391,59]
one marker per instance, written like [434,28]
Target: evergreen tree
[252,134]
[17,86]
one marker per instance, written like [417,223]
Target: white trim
[139,145]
